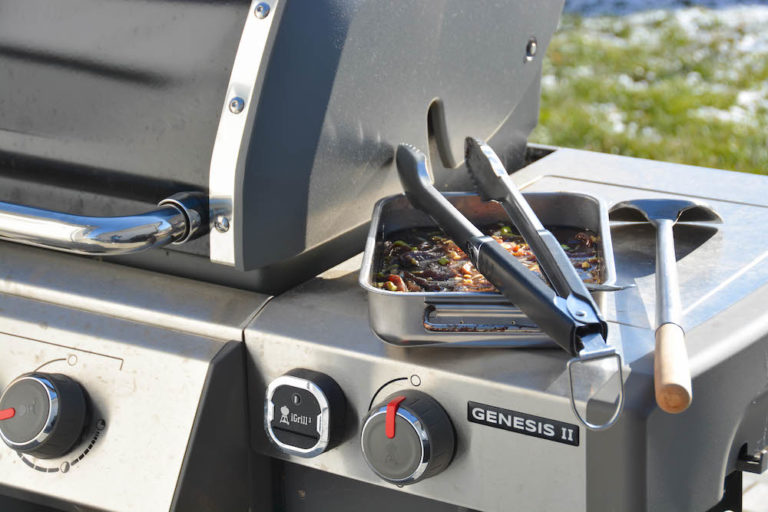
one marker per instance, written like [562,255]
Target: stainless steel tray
[470,318]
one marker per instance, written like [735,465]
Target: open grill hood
[286,119]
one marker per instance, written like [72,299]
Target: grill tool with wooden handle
[672,376]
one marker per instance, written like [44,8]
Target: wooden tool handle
[672,376]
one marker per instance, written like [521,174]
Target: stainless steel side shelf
[177,219]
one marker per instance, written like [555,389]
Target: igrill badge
[304,412]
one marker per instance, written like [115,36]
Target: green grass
[645,86]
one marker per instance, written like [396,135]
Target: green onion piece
[391,286]
[506,230]
[400,243]
[443,261]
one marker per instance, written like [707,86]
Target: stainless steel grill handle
[177,219]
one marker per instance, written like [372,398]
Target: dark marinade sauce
[425,259]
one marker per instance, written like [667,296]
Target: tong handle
[525,290]
[553,261]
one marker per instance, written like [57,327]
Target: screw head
[221,224]
[262,10]
[530,49]
[236,105]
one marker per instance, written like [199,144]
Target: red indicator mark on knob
[391,414]
[7,414]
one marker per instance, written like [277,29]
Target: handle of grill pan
[177,219]
[572,323]
[497,319]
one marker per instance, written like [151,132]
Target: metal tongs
[566,312]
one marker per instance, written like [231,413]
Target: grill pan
[470,318]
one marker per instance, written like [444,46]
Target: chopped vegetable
[430,261]
[398,282]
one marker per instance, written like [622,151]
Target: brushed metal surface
[636,465]
[492,468]
[144,382]
[348,81]
[115,97]
[142,343]
[235,124]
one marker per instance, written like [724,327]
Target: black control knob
[304,412]
[408,437]
[42,414]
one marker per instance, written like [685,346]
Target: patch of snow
[693,78]
[548,82]
[610,114]
[627,82]
[736,114]
[730,74]
[623,7]
[753,101]
[651,134]
[749,107]
[644,35]
[596,36]
[581,71]
[616,119]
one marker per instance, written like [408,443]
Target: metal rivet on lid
[530,49]
[221,224]
[236,105]
[262,10]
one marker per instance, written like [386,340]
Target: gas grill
[185,192]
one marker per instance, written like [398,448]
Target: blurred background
[682,81]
